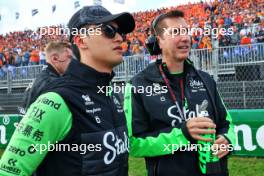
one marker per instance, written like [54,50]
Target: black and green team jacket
[83,127]
[155,126]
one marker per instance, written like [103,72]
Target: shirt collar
[88,74]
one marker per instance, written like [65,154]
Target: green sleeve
[226,125]
[150,145]
[47,121]
[163,144]
[231,130]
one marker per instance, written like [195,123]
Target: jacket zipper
[156,168]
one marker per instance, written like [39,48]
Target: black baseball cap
[97,14]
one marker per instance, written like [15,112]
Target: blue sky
[64,11]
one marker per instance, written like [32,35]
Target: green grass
[243,166]
[238,166]
[137,167]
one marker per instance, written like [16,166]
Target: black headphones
[151,42]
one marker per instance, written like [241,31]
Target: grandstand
[236,62]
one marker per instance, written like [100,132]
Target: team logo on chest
[92,111]
[87,100]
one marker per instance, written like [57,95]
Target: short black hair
[159,24]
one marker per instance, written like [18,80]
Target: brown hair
[159,24]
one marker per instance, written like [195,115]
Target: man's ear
[79,41]
[54,58]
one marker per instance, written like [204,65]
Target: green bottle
[208,163]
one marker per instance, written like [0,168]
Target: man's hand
[199,126]
[220,146]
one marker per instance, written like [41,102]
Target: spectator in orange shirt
[135,49]
[124,46]
[205,43]
[34,57]
[238,20]
[246,40]
[2,58]
[142,38]
[221,21]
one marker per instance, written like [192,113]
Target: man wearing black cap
[73,129]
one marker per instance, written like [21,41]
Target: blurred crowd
[244,17]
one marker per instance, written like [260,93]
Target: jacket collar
[152,72]
[52,70]
[88,74]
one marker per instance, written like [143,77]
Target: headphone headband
[155,22]
[152,41]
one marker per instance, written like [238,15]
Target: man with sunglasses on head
[87,126]
[183,109]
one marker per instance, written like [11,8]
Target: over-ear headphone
[152,41]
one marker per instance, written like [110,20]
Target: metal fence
[242,94]
[228,58]
[238,71]
[130,67]
[18,77]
